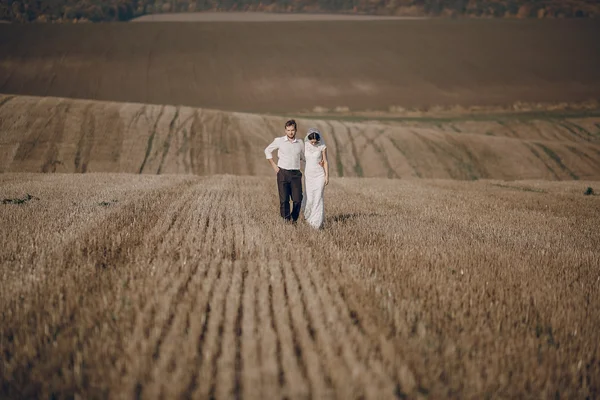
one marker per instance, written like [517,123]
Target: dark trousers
[289,184]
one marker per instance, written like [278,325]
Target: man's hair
[291,122]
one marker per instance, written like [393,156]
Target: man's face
[290,132]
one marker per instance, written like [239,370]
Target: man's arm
[302,158]
[273,165]
[269,154]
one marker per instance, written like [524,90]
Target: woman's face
[313,142]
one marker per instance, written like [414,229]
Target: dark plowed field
[293,66]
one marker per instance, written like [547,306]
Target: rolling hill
[44,134]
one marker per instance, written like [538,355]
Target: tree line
[123,10]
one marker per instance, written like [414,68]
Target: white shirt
[289,153]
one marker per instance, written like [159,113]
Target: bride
[316,173]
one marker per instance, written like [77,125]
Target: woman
[316,173]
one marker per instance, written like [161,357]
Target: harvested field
[64,135]
[142,255]
[287,67]
[117,285]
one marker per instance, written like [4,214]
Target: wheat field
[174,286]
[141,250]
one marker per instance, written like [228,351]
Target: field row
[191,287]
[65,135]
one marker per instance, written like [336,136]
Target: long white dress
[314,182]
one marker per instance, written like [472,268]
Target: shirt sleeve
[302,158]
[271,148]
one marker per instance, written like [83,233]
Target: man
[290,151]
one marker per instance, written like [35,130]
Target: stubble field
[76,136]
[141,252]
[191,287]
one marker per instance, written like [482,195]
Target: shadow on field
[343,218]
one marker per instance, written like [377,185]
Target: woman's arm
[326,166]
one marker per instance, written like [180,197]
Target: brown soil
[295,66]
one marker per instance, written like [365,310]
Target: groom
[290,151]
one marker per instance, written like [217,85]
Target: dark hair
[291,122]
[314,136]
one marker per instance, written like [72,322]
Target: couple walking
[290,153]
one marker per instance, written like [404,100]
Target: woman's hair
[314,136]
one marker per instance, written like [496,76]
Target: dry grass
[65,135]
[273,67]
[182,286]
[120,283]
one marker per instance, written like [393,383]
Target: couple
[290,151]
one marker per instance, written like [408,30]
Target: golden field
[121,285]
[75,136]
[141,250]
